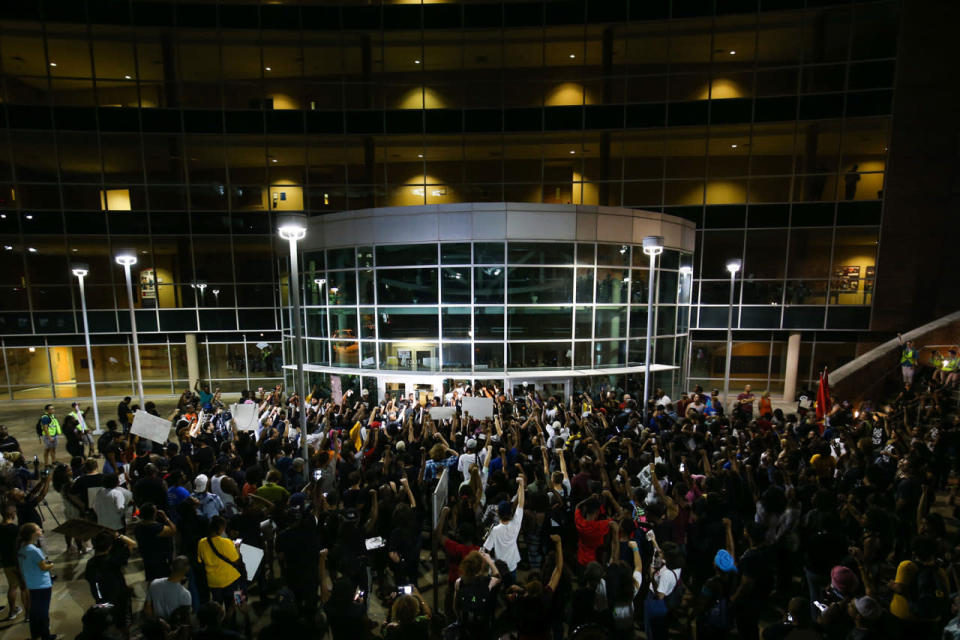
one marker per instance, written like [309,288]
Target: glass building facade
[552,298]
[181,129]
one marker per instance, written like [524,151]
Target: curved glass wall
[490,308]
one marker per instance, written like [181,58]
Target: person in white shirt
[112,503]
[662,583]
[502,539]
[469,458]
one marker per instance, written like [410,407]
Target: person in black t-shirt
[90,479]
[154,537]
[150,487]
[8,444]
[104,573]
[298,548]
[756,582]
[8,558]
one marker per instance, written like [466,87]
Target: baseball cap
[471,444]
[843,579]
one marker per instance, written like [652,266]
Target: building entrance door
[551,387]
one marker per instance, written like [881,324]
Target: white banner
[252,557]
[245,415]
[478,407]
[150,427]
[442,413]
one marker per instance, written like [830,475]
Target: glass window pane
[341,258]
[540,285]
[366,286]
[455,253]
[488,284]
[346,354]
[406,255]
[667,286]
[488,323]
[612,353]
[408,322]
[585,285]
[666,320]
[456,357]
[611,322]
[368,323]
[488,253]
[809,254]
[539,355]
[343,323]
[456,285]
[584,323]
[342,286]
[488,356]
[612,285]
[364,257]
[540,253]
[317,323]
[585,253]
[539,322]
[456,322]
[765,254]
[409,356]
[405,286]
[613,254]
[854,266]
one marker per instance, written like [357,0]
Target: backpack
[473,608]
[675,597]
[719,616]
[40,426]
[928,594]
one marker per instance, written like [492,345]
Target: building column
[193,359]
[793,362]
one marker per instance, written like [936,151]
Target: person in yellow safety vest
[50,427]
[948,368]
[80,416]
[908,360]
[947,374]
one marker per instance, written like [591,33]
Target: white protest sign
[336,389]
[442,413]
[150,427]
[262,345]
[478,407]
[440,494]
[245,415]
[252,557]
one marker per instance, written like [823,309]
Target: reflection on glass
[585,285]
[346,354]
[488,323]
[539,355]
[612,285]
[610,353]
[342,287]
[407,286]
[343,323]
[540,253]
[488,356]
[611,322]
[456,322]
[613,254]
[539,323]
[408,322]
[456,285]
[456,357]
[540,285]
[488,284]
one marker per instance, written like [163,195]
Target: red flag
[823,395]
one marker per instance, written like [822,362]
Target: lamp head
[292,226]
[686,271]
[126,258]
[80,269]
[319,281]
[734,265]
[201,284]
[653,245]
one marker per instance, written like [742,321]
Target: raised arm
[558,567]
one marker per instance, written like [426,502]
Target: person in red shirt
[591,530]
[456,551]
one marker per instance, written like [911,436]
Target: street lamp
[293,228]
[201,285]
[686,280]
[216,297]
[733,266]
[652,246]
[127,259]
[325,300]
[81,270]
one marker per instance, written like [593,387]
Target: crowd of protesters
[585,516]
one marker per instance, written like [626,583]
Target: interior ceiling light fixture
[733,52]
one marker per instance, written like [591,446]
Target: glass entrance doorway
[552,387]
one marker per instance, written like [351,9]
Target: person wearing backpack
[473,601]
[921,597]
[666,588]
[48,428]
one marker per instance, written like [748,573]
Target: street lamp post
[127,259]
[686,280]
[733,266]
[81,270]
[325,299]
[652,246]
[293,228]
